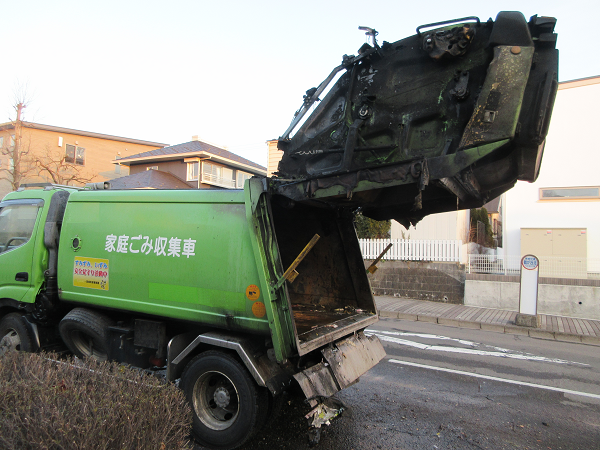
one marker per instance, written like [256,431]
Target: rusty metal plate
[352,357]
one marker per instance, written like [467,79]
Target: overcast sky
[231,72]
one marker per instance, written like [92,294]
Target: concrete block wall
[433,281]
[553,299]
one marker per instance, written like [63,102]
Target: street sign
[530,266]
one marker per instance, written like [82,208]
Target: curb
[497,328]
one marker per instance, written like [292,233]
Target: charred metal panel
[352,357]
[469,102]
[345,361]
[497,112]
[317,381]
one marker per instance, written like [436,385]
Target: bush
[371,229]
[68,404]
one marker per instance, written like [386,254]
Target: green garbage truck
[239,293]
[198,281]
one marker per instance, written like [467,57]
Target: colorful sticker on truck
[91,273]
[144,245]
[252,292]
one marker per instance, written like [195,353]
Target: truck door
[17,242]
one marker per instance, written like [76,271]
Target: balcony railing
[209,178]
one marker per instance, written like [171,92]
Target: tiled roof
[40,126]
[153,179]
[188,148]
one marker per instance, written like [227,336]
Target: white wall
[571,158]
[449,225]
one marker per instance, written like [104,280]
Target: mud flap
[343,363]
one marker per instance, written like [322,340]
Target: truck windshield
[16,224]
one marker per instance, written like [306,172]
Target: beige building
[274,156]
[63,155]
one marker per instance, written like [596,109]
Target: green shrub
[50,404]
[371,229]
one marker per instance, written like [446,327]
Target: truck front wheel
[227,405]
[14,334]
[85,333]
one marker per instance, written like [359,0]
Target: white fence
[412,249]
[555,266]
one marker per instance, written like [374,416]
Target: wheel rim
[10,341]
[216,400]
[88,346]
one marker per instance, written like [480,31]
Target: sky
[231,72]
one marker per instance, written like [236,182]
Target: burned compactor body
[446,119]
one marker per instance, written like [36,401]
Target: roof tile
[191,147]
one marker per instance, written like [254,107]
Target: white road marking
[389,336]
[503,380]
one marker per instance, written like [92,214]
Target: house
[558,216]
[62,155]
[495,209]
[197,164]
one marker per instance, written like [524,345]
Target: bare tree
[26,161]
[17,149]
[52,165]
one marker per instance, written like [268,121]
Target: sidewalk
[558,328]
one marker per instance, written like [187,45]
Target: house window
[241,177]
[570,193]
[12,140]
[192,171]
[217,175]
[1,141]
[152,168]
[74,155]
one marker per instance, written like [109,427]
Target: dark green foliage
[371,229]
[67,404]
[481,215]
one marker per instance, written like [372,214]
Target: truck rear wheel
[85,333]
[227,405]
[14,334]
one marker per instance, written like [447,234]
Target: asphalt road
[450,388]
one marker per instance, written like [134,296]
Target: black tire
[227,405]
[85,333]
[15,334]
